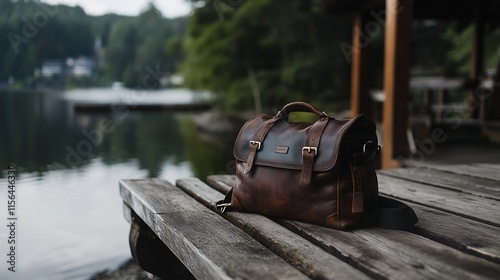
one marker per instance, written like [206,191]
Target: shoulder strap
[394,214]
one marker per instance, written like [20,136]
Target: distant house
[55,72]
[82,67]
[53,68]
[79,67]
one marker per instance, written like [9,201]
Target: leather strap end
[247,169]
[250,159]
[357,203]
[307,168]
[255,144]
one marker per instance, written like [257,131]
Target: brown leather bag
[322,173]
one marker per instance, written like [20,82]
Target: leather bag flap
[282,147]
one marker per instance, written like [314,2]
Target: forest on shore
[33,32]
[252,54]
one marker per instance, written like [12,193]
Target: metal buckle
[223,206]
[369,151]
[255,143]
[369,142]
[309,149]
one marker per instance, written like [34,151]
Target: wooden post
[477,56]
[428,100]
[397,61]
[493,112]
[151,254]
[360,99]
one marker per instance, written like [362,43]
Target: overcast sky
[169,8]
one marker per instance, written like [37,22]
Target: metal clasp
[369,152]
[369,142]
[309,149]
[223,206]
[255,143]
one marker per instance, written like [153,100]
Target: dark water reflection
[69,208]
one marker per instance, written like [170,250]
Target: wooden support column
[493,104]
[360,99]
[477,56]
[397,62]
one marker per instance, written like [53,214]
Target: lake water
[69,212]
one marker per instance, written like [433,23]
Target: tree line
[252,54]
[32,31]
[273,52]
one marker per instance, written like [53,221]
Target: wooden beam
[397,62]
[477,56]
[360,99]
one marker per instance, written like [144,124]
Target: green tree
[139,45]
[268,51]
[458,59]
[34,31]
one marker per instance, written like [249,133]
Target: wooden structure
[456,236]
[396,16]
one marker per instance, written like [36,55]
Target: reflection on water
[70,212]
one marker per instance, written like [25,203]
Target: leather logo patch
[282,150]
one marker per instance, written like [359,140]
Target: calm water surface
[70,223]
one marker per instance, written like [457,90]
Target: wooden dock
[107,107]
[109,100]
[456,236]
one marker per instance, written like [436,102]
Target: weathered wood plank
[209,246]
[127,213]
[494,166]
[469,170]
[222,183]
[151,254]
[476,186]
[390,253]
[460,233]
[397,254]
[458,203]
[310,259]
[142,197]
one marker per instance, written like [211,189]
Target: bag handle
[299,107]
